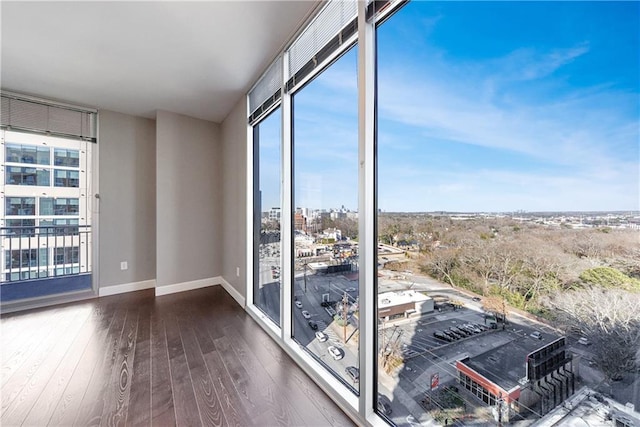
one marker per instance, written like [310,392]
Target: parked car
[476,299]
[321,336]
[584,341]
[298,304]
[456,333]
[451,335]
[328,303]
[335,352]
[537,335]
[461,330]
[353,372]
[306,314]
[313,325]
[471,328]
[441,336]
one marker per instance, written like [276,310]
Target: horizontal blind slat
[40,117]
[268,87]
[336,15]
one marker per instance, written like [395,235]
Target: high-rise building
[45,214]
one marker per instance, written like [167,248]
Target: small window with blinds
[330,31]
[27,114]
[265,95]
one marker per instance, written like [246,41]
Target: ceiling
[192,58]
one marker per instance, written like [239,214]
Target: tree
[607,277]
[495,305]
[542,272]
[441,265]
[609,319]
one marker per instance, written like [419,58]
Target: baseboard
[172,289]
[187,286]
[127,287]
[232,291]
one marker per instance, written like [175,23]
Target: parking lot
[425,355]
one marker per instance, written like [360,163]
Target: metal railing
[39,252]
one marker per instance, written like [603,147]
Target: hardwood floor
[189,359]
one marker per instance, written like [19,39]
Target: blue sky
[485,106]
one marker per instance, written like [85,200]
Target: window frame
[362,407]
[255,218]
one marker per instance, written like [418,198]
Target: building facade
[46,217]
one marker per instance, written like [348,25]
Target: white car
[306,314]
[322,337]
[298,304]
[335,352]
[584,341]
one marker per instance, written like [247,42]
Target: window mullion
[251,211]
[366,210]
[286,221]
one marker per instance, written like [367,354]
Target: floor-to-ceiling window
[268,241]
[503,182]
[325,217]
[505,131]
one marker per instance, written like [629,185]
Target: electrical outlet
[238,271]
[124,265]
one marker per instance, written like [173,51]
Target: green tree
[608,277]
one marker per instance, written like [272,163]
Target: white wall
[189,240]
[234,184]
[127,206]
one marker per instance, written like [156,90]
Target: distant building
[525,373]
[394,305]
[588,407]
[332,233]
[300,221]
[46,213]
[274,214]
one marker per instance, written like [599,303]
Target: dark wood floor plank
[183,395]
[162,407]
[21,391]
[192,358]
[255,390]
[44,407]
[118,387]
[273,358]
[232,407]
[13,324]
[206,397]
[90,409]
[283,397]
[21,346]
[68,406]
[139,411]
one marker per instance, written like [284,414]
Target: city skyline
[508,115]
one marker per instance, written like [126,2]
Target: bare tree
[495,305]
[610,319]
[442,263]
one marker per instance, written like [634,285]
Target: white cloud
[592,133]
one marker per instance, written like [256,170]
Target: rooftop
[391,299]
[505,365]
